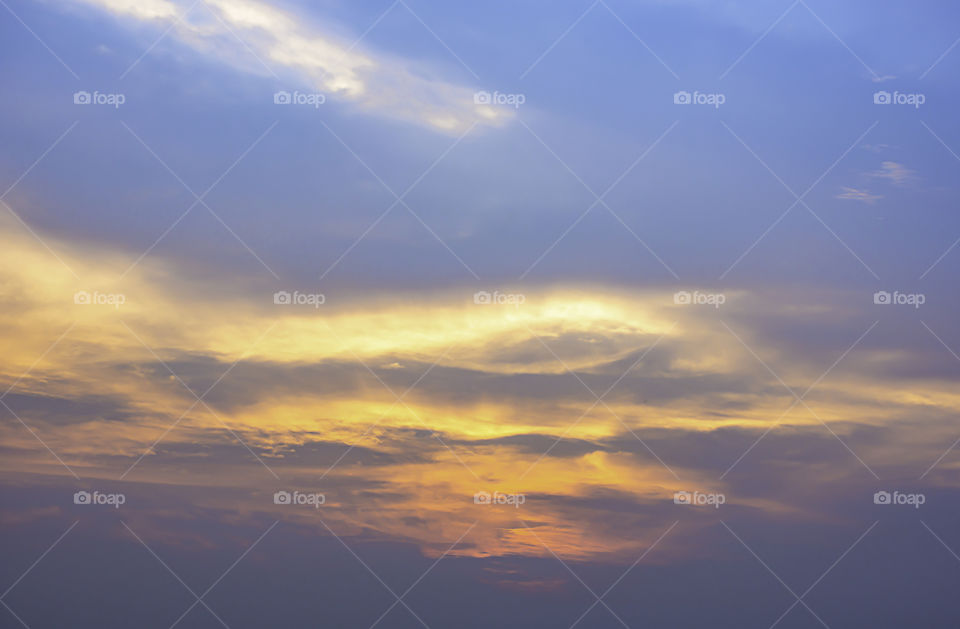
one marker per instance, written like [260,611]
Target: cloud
[896,173]
[853,194]
[254,37]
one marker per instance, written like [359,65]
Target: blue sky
[598,99]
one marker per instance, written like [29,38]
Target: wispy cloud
[896,173]
[254,37]
[854,194]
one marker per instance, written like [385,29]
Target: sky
[515,314]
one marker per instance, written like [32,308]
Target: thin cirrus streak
[260,39]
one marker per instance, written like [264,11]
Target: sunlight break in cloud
[254,37]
